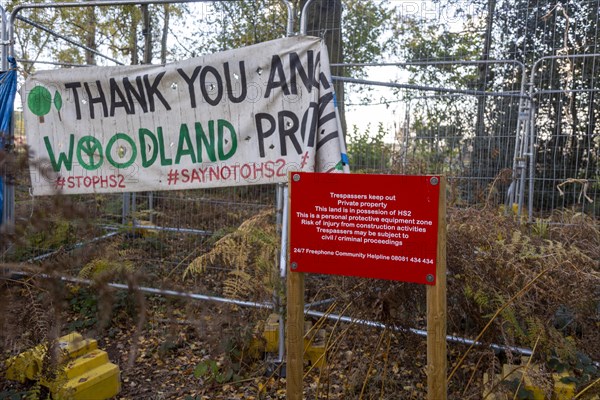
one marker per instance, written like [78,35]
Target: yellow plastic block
[315,353]
[100,383]
[314,346]
[563,391]
[28,364]
[83,373]
[513,371]
[271,334]
[314,350]
[74,345]
[77,367]
[487,386]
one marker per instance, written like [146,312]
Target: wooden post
[436,312]
[295,323]
[295,335]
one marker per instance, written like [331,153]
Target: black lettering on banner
[74,86]
[218,84]
[98,99]
[288,130]
[322,78]
[323,102]
[190,82]
[308,79]
[117,98]
[276,68]
[331,136]
[312,110]
[138,94]
[262,133]
[242,78]
[152,90]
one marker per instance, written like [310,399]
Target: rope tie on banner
[584,187]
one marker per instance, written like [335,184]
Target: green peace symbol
[89,146]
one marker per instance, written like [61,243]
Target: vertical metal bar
[522,165]
[282,223]
[8,214]
[531,155]
[281,210]
[532,140]
[125,209]
[147,34]
[151,207]
[133,208]
[521,132]
[290,17]
[303,17]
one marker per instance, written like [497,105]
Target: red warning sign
[373,226]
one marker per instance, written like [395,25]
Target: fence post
[7,216]
[282,200]
[295,325]
[436,312]
[295,336]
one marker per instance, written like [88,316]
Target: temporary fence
[519,146]
[475,137]
[526,147]
[565,169]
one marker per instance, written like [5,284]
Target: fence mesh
[568,145]
[472,121]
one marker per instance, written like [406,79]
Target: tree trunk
[482,152]
[165,34]
[133,37]
[90,34]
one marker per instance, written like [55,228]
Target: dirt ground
[161,356]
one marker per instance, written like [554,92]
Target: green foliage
[246,22]
[210,371]
[368,152]
[541,228]
[515,385]
[93,309]
[365,30]
[101,267]
[56,233]
[579,365]
[85,304]
[12,395]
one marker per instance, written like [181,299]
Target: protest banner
[239,117]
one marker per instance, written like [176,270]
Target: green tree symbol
[89,146]
[58,103]
[39,101]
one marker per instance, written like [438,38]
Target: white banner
[240,117]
